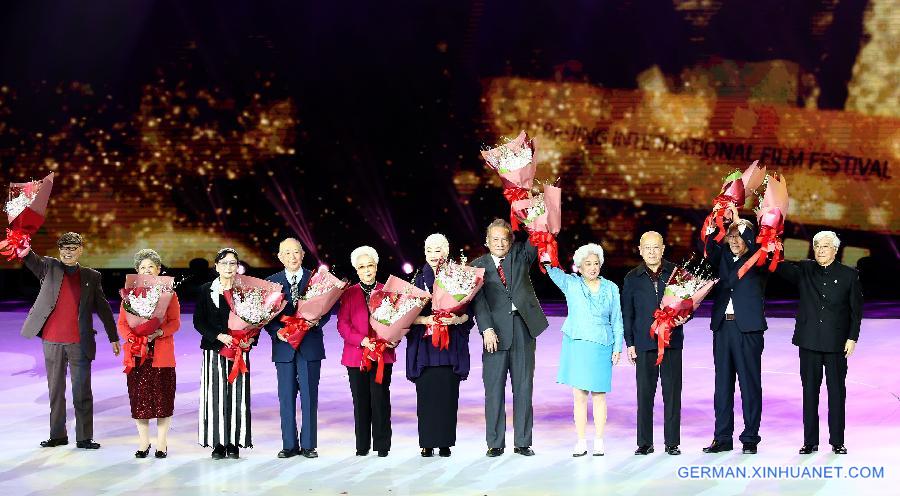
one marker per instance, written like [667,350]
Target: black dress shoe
[644,450]
[161,454]
[524,451]
[717,447]
[309,453]
[382,453]
[444,452]
[87,444]
[749,449]
[362,452]
[218,452]
[427,452]
[492,452]
[808,449]
[232,451]
[142,453]
[673,450]
[287,453]
[54,442]
[839,450]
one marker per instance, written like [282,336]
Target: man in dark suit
[509,319]
[62,317]
[826,332]
[738,324]
[641,295]
[297,370]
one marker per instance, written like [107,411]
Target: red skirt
[151,391]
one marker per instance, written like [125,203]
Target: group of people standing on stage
[509,320]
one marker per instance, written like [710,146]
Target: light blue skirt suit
[591,332]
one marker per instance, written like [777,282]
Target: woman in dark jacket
[435,372]
[224,407]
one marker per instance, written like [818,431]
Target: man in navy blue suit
[297,370]
[738,324]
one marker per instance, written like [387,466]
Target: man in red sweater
[62,315]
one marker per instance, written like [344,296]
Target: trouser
[835,366]
[371,407]
[518,362]
[739,353]
[669,373]
[56,357]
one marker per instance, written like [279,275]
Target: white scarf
[215,290]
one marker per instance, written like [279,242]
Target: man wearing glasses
[827,328]
[62,317]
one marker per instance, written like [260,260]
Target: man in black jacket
[738,324]
[641,295]
[826,332]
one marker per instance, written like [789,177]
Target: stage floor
[873,430]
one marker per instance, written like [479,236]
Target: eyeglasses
[69,248]
[228,264]
[823,247]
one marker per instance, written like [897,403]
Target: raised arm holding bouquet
[514,162]
[542,217]
[736,189]
[25,209]
[770,216]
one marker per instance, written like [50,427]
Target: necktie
[500,272]
[295,289]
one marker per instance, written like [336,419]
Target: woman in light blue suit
[592,339]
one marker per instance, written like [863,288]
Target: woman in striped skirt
[224,422]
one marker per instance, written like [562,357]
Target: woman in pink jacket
[371,401]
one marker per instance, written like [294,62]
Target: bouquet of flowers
[145,299]
[392,309]
[25,209]
[542,216]
[514,162]
[738,186]
[253,303]
[322,292]
[770,216]
[455,284]
[685,289]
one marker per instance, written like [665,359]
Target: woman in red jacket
[151,383]
[371,401]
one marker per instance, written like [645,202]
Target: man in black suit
[509,319]
[826,332]
[641,295]
[62,316]
[298,371]
[738,324]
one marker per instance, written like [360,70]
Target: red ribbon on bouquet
[235,352]
[376,356]
[769,240]
[546,245]
[294,330]
[514,194]
[17,242]
[440,333]
[139,344]
[661,329]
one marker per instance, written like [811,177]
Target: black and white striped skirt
[224,408]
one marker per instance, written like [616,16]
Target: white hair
[363,251]
[438,240]
[827,234]
[586,250]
